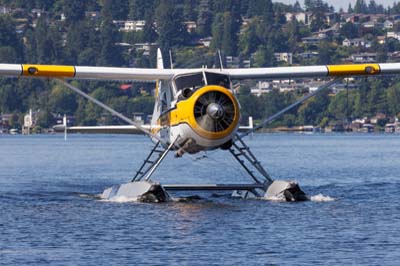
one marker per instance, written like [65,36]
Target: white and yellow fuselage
[198,115]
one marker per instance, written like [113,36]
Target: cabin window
[218,79]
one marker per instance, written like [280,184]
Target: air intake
[214,111]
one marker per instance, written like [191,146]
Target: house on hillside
[392,34]
[190,26]
[372,25]
[262,87]
[303,17]
[364,58]
[130,25]
[145,47]
[357,42]
[206,42]
[309,55]
[93,15]
[388,25]
[312,40]
[5,10]
[284,57]
[5,123]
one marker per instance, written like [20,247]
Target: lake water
[49,213]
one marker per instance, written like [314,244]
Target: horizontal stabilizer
[129,129]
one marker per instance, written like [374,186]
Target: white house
[134,25]
[388,25]
[284,57]
[304,17]
[392,34]
[357,42]
[191,26]
[261,88]
[364,58]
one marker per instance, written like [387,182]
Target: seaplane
[195,110]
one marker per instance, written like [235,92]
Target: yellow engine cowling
[211,111]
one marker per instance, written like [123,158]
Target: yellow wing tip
[50,71]
[348,70]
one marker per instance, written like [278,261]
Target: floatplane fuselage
[198,111]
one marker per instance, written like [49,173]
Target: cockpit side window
[164,102]
[165,97]
[218,79]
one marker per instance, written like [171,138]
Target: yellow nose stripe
[48,71]
[348,70]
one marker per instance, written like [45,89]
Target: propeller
[214,111]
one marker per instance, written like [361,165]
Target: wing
[86,72]
[314,71]
[149,74]
[130,129]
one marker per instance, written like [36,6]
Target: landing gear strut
[269,189]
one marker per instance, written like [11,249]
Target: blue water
[49,213]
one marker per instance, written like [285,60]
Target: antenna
[221,66]
[170,59]
[65,127]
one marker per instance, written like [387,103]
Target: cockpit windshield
[218,79]
[186,85]
[192,81]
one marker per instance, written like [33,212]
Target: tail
[156,111]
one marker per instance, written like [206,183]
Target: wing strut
[112,111]
[281,112]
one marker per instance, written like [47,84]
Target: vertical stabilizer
[157,111]
[160,62]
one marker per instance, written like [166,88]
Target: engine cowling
[211,111]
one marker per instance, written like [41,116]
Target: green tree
[229,40]
[110,54]
[350,9]
[217,31]
[12,44]
[190,9]
[393,99]
[327,52]
[48,43]
[264,56]
[249,40]
[360,7]
[141,9]
[314,110]
[62,100]
[74,10]
[118,10]
[349,30]
[171,30]
[204,19]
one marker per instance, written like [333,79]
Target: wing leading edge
[315,71]
[84,72]
[148,74]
